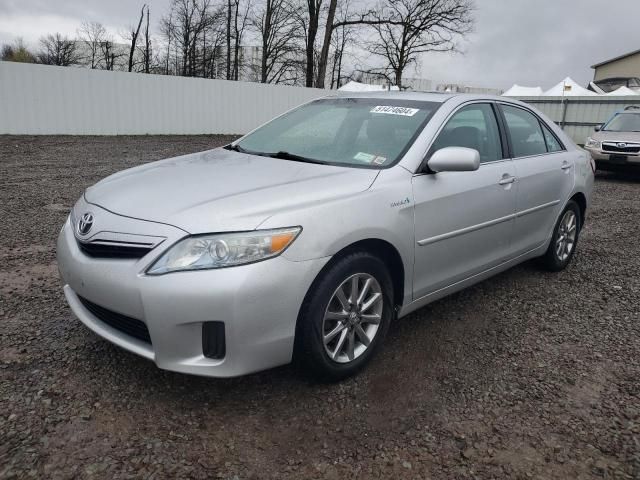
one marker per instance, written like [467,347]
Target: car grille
[106,250]
[130,326]
[630,148]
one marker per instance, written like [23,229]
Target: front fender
[384,212]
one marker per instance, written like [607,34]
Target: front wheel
[345,316]
[564,240]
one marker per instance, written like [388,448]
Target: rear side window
[553,145]
[474,126]
[525,131]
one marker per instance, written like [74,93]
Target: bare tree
[230,4]
[186,28]
[313,20]
[342,36]
[109,55]
[277,28]
[326,43]
[56,49]
[134,38]
[239,24]
[407,28]
[146,52]
[92,34]
[17,52]
[213,39]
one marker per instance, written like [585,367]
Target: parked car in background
[308,236]
[617,142]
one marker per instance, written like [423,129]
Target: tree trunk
[236,42]
[147,46]
[134,39]
[311,40]
[266,33]
[324,53]
[228,39]
[398,75]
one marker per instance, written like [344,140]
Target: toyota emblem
[85,223]
[622,145]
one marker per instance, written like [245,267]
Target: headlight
[591,143]
[224,250]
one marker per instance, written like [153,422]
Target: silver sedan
[305,238]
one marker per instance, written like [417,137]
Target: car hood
[221,190]
[629,137]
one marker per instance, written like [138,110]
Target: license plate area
[619,159]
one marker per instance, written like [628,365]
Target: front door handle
[565,166]
[507,179]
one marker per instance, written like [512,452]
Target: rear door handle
[506,180]
[565,166]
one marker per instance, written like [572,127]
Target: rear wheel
[564,240]
[345,316]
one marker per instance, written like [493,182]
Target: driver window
[474,126]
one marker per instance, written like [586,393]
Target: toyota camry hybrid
[306,237]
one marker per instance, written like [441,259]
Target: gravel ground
[529,374]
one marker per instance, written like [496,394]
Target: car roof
[437,97]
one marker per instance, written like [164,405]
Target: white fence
[39,99]
[579,115]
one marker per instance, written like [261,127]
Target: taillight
[593,165]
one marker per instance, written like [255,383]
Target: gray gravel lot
[529,374]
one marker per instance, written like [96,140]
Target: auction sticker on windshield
[364,157]
[404,111]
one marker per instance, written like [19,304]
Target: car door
[544,173]
[464,220]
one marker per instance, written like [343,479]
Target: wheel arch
[382,249]
[386,252]
[581,199]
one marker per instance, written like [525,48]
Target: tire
[325,312]
[566,232]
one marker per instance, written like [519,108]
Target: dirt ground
[527,375]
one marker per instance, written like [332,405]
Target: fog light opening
[213,340]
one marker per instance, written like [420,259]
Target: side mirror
[597,128]
[455,159]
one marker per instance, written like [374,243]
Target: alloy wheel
[352,318]
[567,232]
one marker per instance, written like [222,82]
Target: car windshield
[352,132]
[624,122]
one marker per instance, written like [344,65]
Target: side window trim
[504,133]
[543,126]
[501,132]
[542,129]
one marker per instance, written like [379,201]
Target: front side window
[474,126]
[352,132]
[525,131]
[623,122]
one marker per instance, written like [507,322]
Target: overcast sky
[515,41]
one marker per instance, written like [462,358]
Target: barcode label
[404,111]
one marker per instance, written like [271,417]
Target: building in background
[622,71]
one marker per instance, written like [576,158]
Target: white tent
[623,92]
[520,91]
[568,88]
[364,87]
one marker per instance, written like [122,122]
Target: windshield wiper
[296,158]
[235,148]
[281,155]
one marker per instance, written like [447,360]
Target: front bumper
[258,304]
[609,158]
